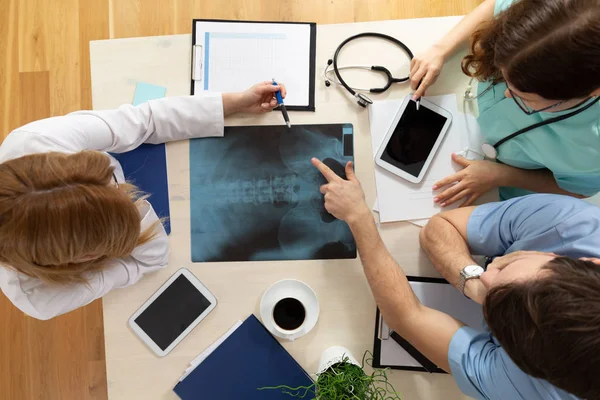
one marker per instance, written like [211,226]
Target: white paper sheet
[400,200]
[232,56]
[442,297]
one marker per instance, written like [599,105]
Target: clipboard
[406,357]
[200,60]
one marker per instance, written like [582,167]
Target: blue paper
[146,91]
[247,360]
[146,166]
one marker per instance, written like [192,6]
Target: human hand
[425,69]
[344,199]
[501,262]
[475,179]
[260,97]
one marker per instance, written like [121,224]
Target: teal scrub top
[570,149]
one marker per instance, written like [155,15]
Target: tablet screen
[413,138]
[172,312]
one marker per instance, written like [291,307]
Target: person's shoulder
[482,369]
[24,293]
[22,142]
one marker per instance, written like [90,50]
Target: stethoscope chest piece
[489,151]
[363,100]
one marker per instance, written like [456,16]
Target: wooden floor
[45,71]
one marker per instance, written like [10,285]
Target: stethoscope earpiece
[329,62]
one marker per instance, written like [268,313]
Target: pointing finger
[325,170]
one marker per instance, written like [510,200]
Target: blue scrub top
[569,148]
[543,222]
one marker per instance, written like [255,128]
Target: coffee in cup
[289,314]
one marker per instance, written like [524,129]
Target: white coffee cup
[288,320]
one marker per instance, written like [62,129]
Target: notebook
[391,350]
[248,359]
[146,166]
[231,56]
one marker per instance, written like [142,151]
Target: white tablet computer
[172,312]
[413,139]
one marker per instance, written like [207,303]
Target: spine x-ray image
[255,194]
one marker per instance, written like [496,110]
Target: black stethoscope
[491,150]
[362,99]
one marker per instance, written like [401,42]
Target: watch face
[473,269]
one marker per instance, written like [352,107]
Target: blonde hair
[61,215]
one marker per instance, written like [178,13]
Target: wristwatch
[468,272]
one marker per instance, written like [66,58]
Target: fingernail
[443,204]
[435,199]
[434,187]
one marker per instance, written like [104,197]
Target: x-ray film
[255,194]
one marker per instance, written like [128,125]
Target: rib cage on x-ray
[255,194]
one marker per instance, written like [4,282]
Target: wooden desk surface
[347,315]
[45,71]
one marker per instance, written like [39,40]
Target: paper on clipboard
[440,296]
[400,200]
[231,56]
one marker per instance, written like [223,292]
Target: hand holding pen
[259,98]
[424,71]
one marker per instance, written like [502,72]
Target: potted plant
[341,377]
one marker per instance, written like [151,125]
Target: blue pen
[286,118]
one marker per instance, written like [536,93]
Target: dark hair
[547,47]
[550,327]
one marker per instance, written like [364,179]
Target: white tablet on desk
[413,139]
[172,312]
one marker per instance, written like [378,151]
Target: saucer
[289,288]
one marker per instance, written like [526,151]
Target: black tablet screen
[413,138]
[172,312]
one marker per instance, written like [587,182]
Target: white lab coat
[117,131]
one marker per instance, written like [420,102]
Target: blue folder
[146,166]
[249,359]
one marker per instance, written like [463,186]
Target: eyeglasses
[528,110]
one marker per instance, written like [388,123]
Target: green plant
[346,381]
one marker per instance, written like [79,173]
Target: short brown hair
[547,47]
[62,216]
[550,327]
